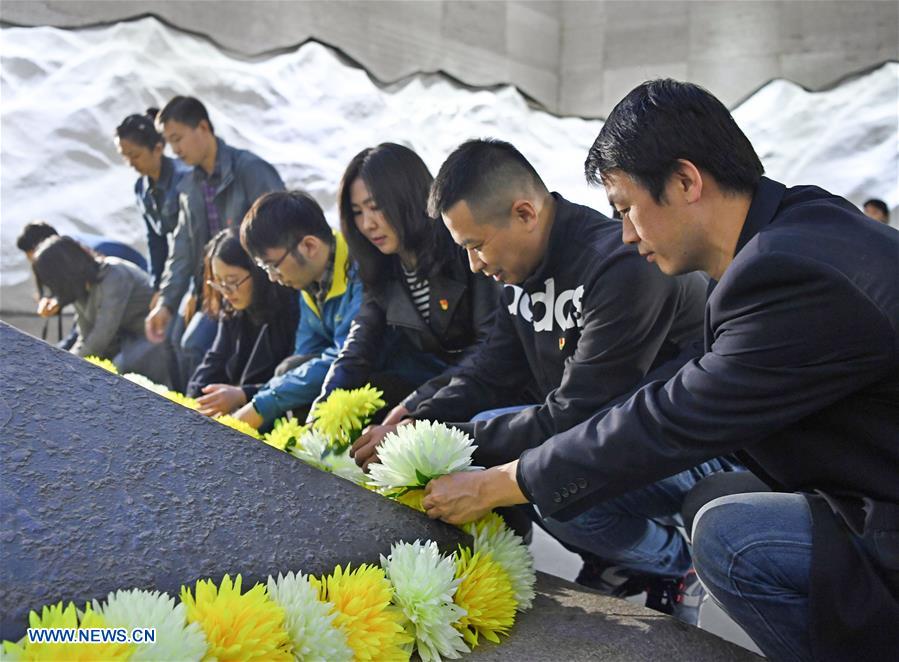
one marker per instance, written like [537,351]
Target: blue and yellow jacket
[321,333]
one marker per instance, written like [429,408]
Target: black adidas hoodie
[584,328]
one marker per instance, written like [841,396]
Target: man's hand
[365,448]
[249,415]
[469,495]
[47,307]
[154,300]
[157,322]
[395,416]
[221,399]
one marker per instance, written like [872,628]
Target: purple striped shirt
[212,214]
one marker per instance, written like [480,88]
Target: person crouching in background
[110,297]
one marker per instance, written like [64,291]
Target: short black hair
[65,267]
[140,129]
[280,219]
[33,234]
[484,173]
[664,120]
[879,204]
[185,110]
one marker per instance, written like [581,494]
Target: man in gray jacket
[224,184]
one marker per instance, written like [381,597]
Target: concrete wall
[729,46]
[574,57]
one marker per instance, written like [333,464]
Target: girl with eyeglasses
[257,320]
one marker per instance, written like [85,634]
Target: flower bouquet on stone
[493,537]
[416,453]
[285,434]
[314,448]
[344,414]
[424,583]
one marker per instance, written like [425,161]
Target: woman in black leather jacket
[423,310]
[257,321]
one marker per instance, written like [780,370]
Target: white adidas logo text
[564,308]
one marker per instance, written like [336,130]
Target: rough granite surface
[105,485]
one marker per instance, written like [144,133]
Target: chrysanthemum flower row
[418,600]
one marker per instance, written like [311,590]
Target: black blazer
[462,307]
[800,373]
[246,354]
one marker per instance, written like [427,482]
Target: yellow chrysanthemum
[286,433]
[361,599]
[344,414]
[181,399]
[238,627]
[486,595]
[238,425]
[100,362]
[492,536]
[413,499]
[55,616]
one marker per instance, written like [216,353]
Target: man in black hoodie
[582,320]
[800,375]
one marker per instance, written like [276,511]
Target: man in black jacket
[800,374]
[583,318]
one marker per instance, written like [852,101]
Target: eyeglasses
[228,288]
[274,270]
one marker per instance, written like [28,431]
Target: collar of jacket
[448,285]
[555,247]
[339,280]
[224,166]
[166,173]
[765,203]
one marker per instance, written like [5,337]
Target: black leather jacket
[462,307]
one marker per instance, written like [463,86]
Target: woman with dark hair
[110,297]
[141,145]
[423,309]
[257,321]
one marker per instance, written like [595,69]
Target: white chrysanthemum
[309,621]
[424,583]
[311,449]
[148,384]
[491,535]
[413,454]
[175,638]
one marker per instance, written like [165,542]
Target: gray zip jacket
[239,178]
[114,308]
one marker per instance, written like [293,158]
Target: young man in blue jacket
[288,236]
[800,375]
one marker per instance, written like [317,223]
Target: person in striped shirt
[423,310]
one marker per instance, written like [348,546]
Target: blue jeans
[639,530]
[753,553]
